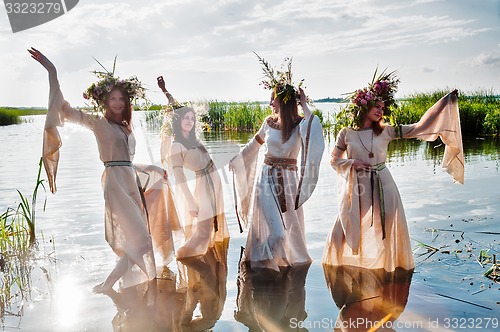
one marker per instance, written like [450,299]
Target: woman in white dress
[133,233]
[371,229]
[205,221]
[276,235]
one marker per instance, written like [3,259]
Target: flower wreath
[382,88]
[99,90]
[280,81]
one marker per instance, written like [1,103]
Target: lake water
[447,291]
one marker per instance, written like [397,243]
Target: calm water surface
[74,256]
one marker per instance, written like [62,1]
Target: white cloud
[487,59]
[205,49]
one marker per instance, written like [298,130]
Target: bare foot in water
[101,289]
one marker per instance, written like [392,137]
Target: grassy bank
[479,111]
[12,115]
[242,116]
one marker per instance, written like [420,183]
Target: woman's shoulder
[346,130]
[177,147]
[388,129]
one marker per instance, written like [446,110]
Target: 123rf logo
[26,14]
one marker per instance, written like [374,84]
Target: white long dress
[209,227]
[134,230]
[371,229]
[276,235]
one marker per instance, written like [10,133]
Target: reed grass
[479,111]
[18,225]
[17,241]
[12,115]
[235,116]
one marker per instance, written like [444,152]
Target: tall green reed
[17,239]
[12,115]
[479,110]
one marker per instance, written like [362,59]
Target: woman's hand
[361,166]
[43,60]
[193,213]
[303,104]
[231,164]
[161,83]
[302,97]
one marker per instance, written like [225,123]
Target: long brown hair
[191,141]
[127,110]
[289,117]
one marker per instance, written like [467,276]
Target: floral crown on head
[382,88]
[280,81]
[99,90]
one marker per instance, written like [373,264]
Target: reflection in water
[367,297]
[205,277]
[269,300]
[165,304]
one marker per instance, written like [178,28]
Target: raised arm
[45,62]
[68,113]
[161,85]
[439,119]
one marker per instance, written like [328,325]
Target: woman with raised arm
[204,219]
[371,229]
[132,232]
[276,235]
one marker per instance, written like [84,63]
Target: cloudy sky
[204,48]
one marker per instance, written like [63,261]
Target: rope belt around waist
[117,163]
[280,164]
[375,176]
[284,163]
[206,171]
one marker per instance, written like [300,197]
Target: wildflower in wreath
[382,88]
[280,81]
[98,91]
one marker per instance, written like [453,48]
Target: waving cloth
[51,139]
[164,225]
[313,145]
[244,172]
[442,120]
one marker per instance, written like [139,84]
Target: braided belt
[279,164]
[206,172]
[375,176]
[117,163]
[286,163]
